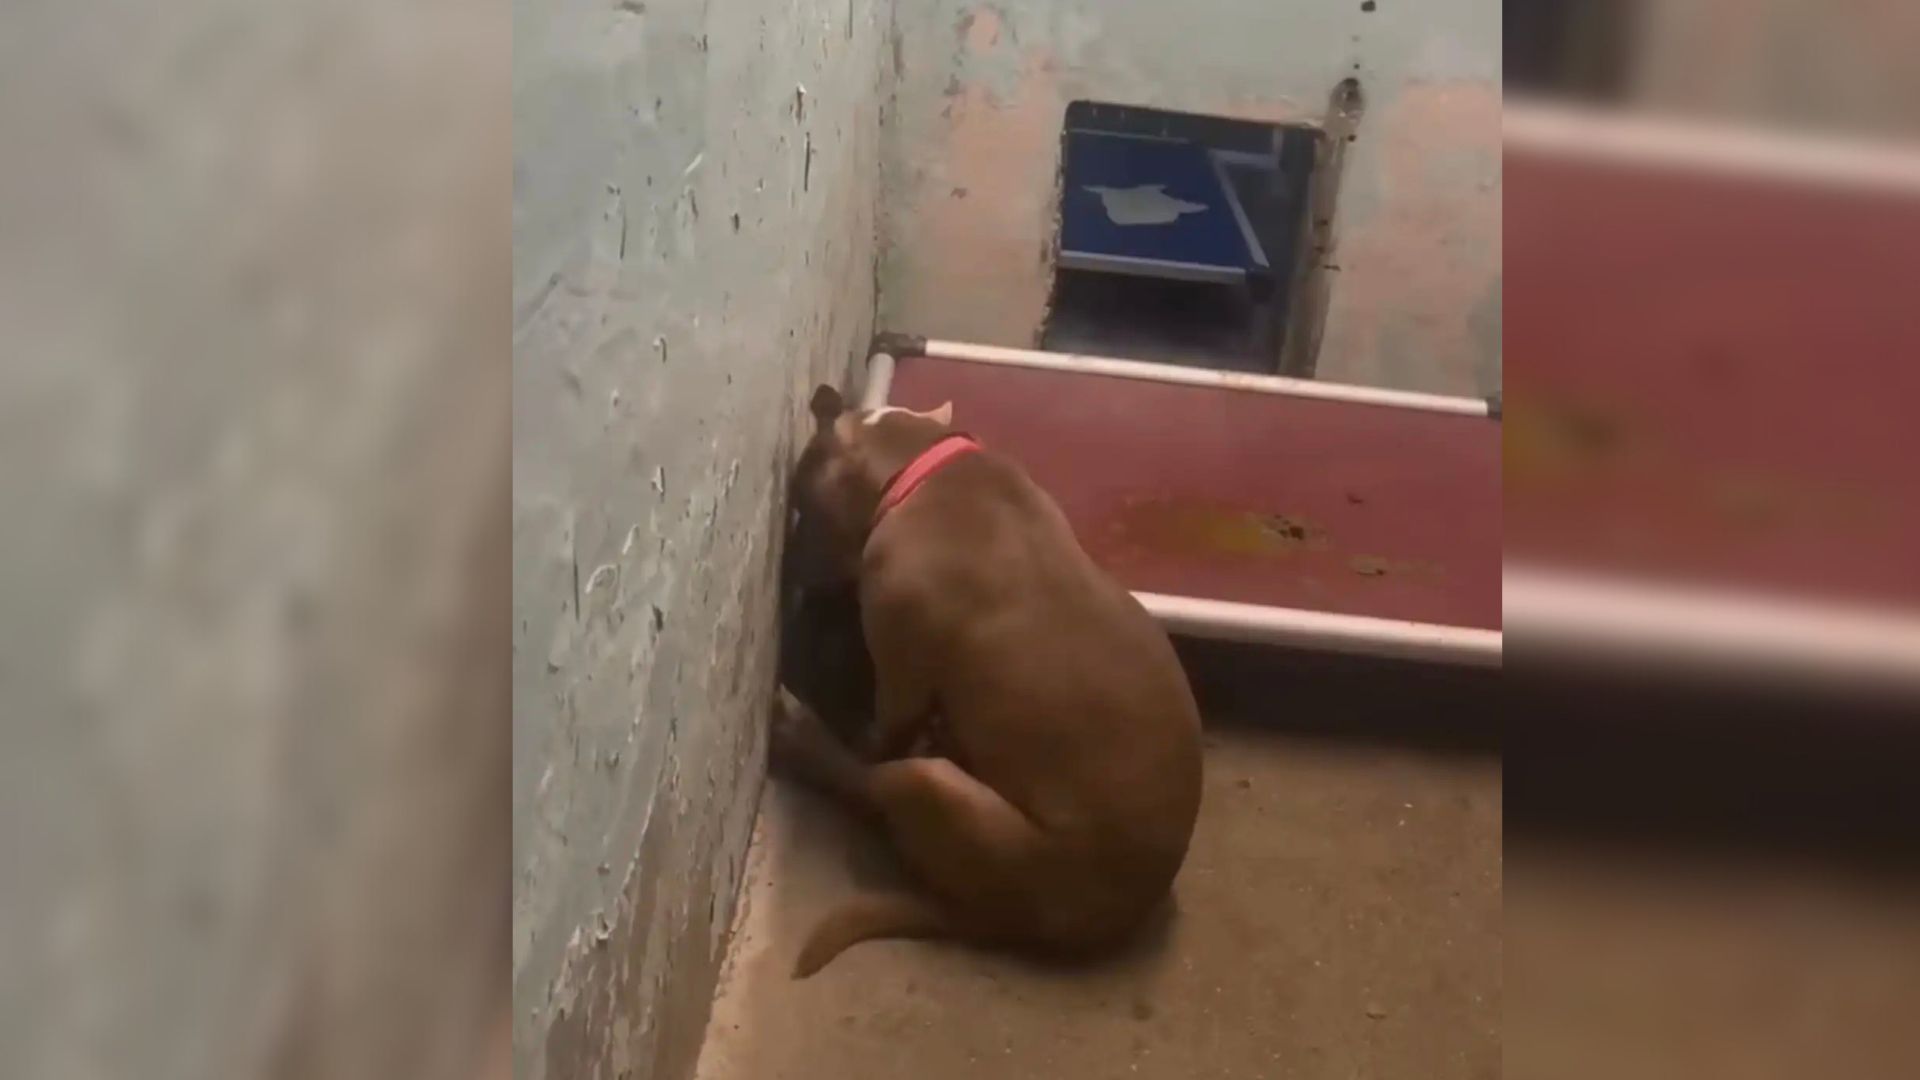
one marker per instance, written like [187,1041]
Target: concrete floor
[1703,965]
[1339,916]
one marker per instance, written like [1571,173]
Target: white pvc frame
[1576,133]
[1186,376]
[1610,620]
[1607,618]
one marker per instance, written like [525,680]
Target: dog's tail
[868,916]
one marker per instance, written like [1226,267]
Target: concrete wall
[253,439]
[694,192]
[972,143]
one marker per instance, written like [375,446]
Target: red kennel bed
[1252,508]
[1713,366]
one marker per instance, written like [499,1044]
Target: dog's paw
[797,736]
[783,719]
[786,706]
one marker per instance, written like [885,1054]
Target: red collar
[919,469]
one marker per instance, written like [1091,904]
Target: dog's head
[836,486]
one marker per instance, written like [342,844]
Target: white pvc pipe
[1221,380]
[1669,627]
[1670,143]
[879,382]
[1322,631]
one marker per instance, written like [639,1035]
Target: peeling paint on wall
[979,268]
[695,190]
[982,89]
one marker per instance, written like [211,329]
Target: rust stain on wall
[979,29]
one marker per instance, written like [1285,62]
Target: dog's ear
[826,405]
[942,415]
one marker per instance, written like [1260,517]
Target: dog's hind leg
[963,839]
[977,853]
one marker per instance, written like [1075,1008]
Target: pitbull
[1060,777]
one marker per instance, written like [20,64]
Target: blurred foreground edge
[1709,437]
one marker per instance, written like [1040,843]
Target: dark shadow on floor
[1347,698]
[1607,761]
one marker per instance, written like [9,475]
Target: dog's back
[1054,686]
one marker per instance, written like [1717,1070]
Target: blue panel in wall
[1150,206]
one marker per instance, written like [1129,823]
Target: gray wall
[973,138]
[253,444]
[693,230]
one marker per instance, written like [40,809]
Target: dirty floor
[1339,916]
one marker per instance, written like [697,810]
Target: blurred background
[1712,224]
[254,279]
[1808,65]
[254,760]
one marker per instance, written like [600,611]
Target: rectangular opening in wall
[1179,235]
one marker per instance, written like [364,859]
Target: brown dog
[1065,776]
